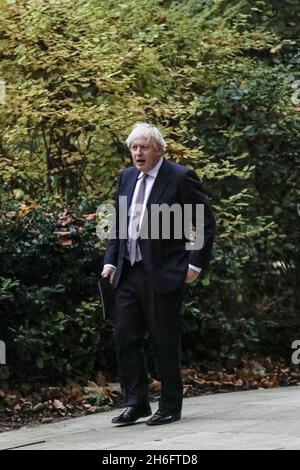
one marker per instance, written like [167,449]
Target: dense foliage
[50,317]
[220,79]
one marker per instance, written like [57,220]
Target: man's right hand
[109,271]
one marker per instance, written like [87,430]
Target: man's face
[144,154]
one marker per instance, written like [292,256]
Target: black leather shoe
[164,417]
[132,414]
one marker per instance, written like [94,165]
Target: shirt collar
[154,170]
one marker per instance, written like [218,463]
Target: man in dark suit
[149,272]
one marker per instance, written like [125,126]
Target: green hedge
[218,78]
[50,315]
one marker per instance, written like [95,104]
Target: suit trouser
[140,311]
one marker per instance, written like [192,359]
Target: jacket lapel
[160,183]
[131,186]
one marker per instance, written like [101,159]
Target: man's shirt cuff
[195,268]
[109,266]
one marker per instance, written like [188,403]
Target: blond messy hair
[150,132]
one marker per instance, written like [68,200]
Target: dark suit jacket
[165,261]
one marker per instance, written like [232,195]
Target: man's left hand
[191,276]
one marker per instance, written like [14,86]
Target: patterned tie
[133,248]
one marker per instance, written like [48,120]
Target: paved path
[260,419]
